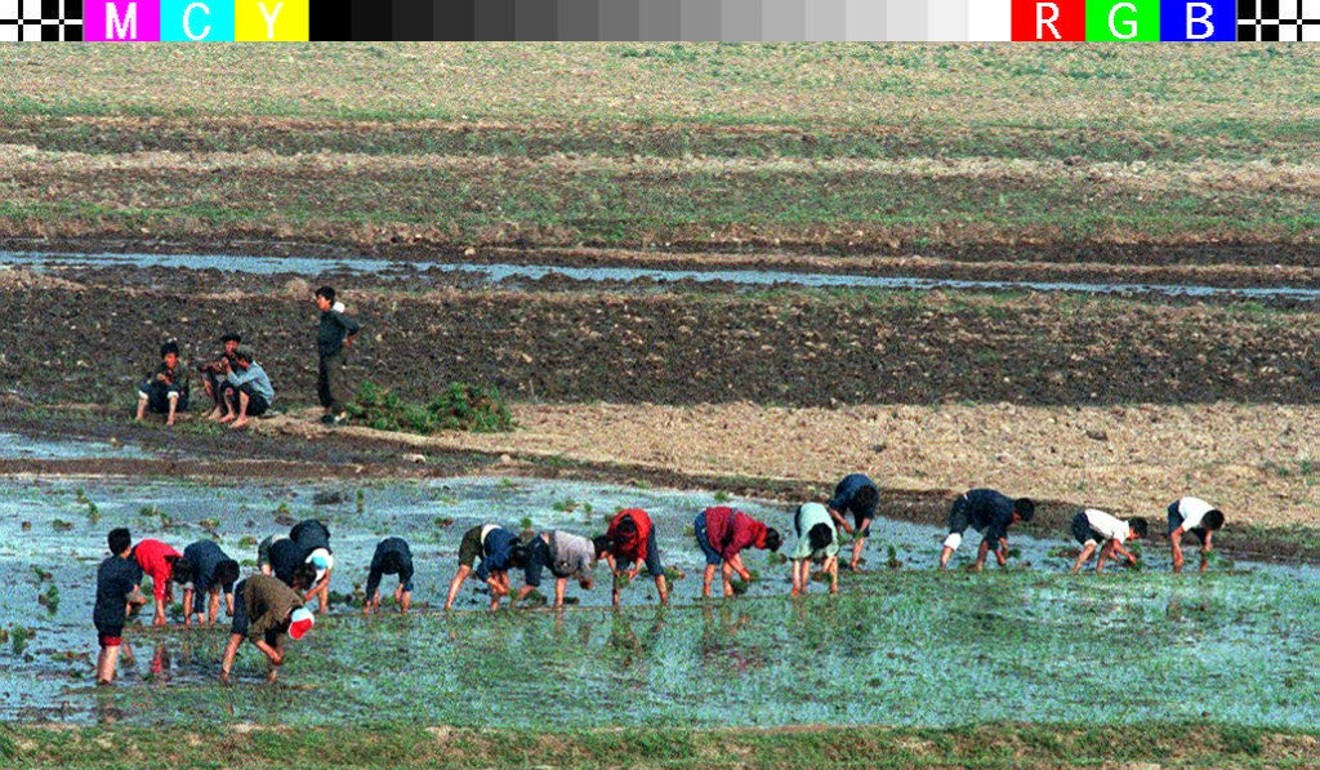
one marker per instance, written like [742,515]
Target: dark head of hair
[183,571]
[226,572]
[304,576]
[819,536]
[1138,525]
[773,539]
[119,540]
[1024,508]
[231,337]
[171,346]
[1213,519]
[327,292]
[866,498]
[602,544]
[627,527]
[391,562]
[518,555]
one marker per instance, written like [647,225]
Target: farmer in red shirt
[157,560]
[722,533]
[630,539]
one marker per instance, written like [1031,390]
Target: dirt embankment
[66,344]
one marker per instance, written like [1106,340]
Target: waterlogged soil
[69,342]
[901,645]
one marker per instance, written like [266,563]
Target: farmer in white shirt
[1194,515]
[1092,527]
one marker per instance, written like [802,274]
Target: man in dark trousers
[1092,527]
[266,610]
[990,513]
[165,390]
[858,495]
[1201,519]
[333,338]
[392,557]
[205,572]
[490,551]
[116,589]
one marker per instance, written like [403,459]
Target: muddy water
[496,273]
[14,446]
[906,646]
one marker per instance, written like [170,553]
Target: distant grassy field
[894,149]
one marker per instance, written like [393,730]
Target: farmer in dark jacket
[990,513]
[333,338]
[165,390]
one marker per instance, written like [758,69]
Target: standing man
[214,373]
[566,555]
[856,493]
[630,539]
[166,388]
[493,550]
[1194,515]
[266,610]
[722,533]
[247,389]
[1092,526]
[392,557]
[205,572]
[990,513]
[116,588]
[333,338]
[157,560]
[818,540]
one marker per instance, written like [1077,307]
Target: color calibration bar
[661,20]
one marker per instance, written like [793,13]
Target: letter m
[121,29]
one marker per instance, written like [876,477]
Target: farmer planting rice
[157,561]
[630,539]
[267,609]
[247,389]
[991,513]
[165,390]
[312,539]
[858,495]
[392,557]
[566,555]
[215,371]
[278,555]
[116,592]
[818,541]
[491,551]
[205,572]
[722,533]
[1201,519]
[1093,526]
[333,337]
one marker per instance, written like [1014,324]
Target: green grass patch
[460,406]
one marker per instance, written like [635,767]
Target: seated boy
[392,557]
[116,589]
[1194,515]
[1092,526]
[265,611]
[493,550]
[568,556]
[166,389]
[214,373]
[205,572]
[722,533]
[818,540]
[247,389]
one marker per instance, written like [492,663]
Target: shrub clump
[460,406]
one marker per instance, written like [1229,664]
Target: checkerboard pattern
[1286,20]
[51,20]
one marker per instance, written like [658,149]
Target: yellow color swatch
[266,20]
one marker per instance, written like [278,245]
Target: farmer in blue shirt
[989,513]
[247,389]
[858,495]
[491,551]
[392,557]
[205,571]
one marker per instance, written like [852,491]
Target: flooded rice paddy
[901,645]
[496,273]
